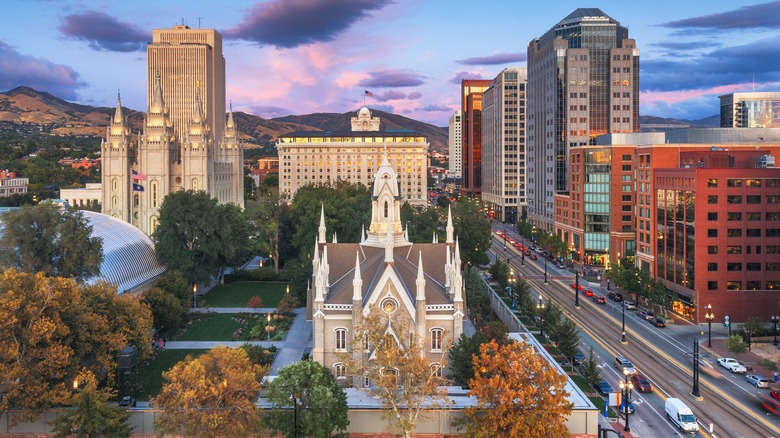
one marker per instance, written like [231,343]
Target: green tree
[264,214]
[91,416]
[422,222]
[473,229]
[590,371]
[499,271]
[196,236]
[478,305]
[461,366]
[306,400]
[50,240]
[567,338]
[754,325]
[173,282]
[735,344]
[166,308]
[551,318]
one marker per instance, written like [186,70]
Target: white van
[680,415]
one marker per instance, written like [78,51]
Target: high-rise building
[471,107]
[188,62]
[750,110]
[456,144]
[503,145]
[583,81]
[317,157]
[186,144]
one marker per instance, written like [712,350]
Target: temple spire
[118,118]
[323,230]
[450,228]
[157,105]
[357,282]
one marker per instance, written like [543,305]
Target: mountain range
[24,105]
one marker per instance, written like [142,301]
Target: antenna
[199,18]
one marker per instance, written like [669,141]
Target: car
[624,365]
[630,305]
[500,233]
[588,292]
[623,407]
[528,253]
[578,358]
[748,368]
[658,322]
[127,401]
[512,241]
[576,286]
[732,365]
[603,387]
[646,314]
[775,394]
[757,381]
[599,299]
[561,266]
[641,383]
[534,256]
[615,296]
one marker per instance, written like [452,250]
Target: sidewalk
[749,358]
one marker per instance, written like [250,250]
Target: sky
[307,56]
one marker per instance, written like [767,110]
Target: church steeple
[450,228]
[323,231]
[118,118]
[385,209]
[157,105]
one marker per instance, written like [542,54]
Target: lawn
[150,375]
[215,327]
[237,294]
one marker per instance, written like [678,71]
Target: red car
[599,299]
[576,286]
[588,293]
[521,247]
[527,253]
[533,256]
[641,383]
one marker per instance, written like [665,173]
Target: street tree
[590,370]
[402,378]
[499,271]
[198,237]
[50,240]
[735,344]
[473,230]
[211,395]
[306,400]
[567,338]
[754,325]
[518,394]
[91,416]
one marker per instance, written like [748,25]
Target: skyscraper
[471,106]
[456,144]
[583,81]
[503,145]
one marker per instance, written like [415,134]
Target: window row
[340,334]
[748,285]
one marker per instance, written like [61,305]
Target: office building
[12,184]
[455,144]
[317,157]
[583,81]
[750,110]
[471,108]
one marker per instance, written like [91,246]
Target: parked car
[641,383]
[658,322]
[757,381]
[622,364]
[603,387]
[630,305]
[127,401]
[646,314]
[578,358]
[599,299]
[732,365]
[616,297]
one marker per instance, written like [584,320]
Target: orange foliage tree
[519,394]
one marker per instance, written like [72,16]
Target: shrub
[255,302]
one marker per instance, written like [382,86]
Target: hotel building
[471,107]
[456,144]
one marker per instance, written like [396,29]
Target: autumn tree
[91,416]
[518,393]
[306,400]
[211,395]
[50,240]
[255,302]
[402,377]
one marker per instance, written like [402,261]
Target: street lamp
[623,339]
[775,320]
[577,289]
[287,289]
[545,269]
[626,387]
[606,259]
[195,295]
[709,317]
[504,237]
[540,308]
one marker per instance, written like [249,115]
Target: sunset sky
[305,56]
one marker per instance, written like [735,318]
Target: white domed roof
[364,112]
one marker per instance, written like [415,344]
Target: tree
[166,308]
[590,371]
[518,394]
[91,415]
[401,376]
[255,302]
[461,358]
[174,283]
[474,233]
[196,236]
[478,305]
[754,325]
[500,273]
[551,318]
[287,304]
[306,400]
[421,221]
[735,344]
[567,338]
[50,240]
[264,215]
[212,395]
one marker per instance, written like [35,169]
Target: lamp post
[709,317]
[268,326]
[577,289]
[504,237]
[775,320]
[287,289]
[545,270]
[540,308]
[195,295]
[522,259]
[695,391]
[626,387]
[623,339]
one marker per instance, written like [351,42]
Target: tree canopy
[518,394]
[197,236]
[92,416]
[473,230]
[50,240]
[211,395]
[308,393]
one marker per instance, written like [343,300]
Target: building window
[712,285]
[772,285]
[153,224]
[752,285]
[753,232]
[772,199]
[753,267]
[712,232]
[734,266]
[712,250]
[195,183]
[733,285]
[386,209]
[436,339]
[734,232]
[733,249]
[712,199]
[341,339]
[114,185]
[340,371]
[115,202]
[772,232]
[734,199]
[772,266]
[712,266]
[712,182]
[756,199]
[436,369]
[154,194]
[735,216]
[712,216]
[733,182]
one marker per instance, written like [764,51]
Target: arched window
[341,339]
[154,194]
[386,208]
[114,202]
[194,183]
[340,371]
[436,369]
[436,338]
[152,224]
[114,185]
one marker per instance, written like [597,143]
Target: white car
[732,365]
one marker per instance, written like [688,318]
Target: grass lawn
[237,294]
[213,327]
[582,383]
[150,376]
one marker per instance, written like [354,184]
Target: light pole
[577,289]
[695,392]
[775,320]
[709,316]
[545,270]
[540,308]
[623,339]
[626,387]
[195,295]
[504,237]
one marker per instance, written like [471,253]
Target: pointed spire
[406,232]
[420,283]
[197,115]
[322,229]
[118,113]
[357,282]
[335,239]
[157,105]
[447,268]
[362,233]
[450,228]
[457,254]
[315,261]
[230,122]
